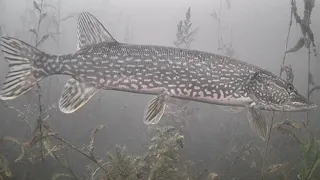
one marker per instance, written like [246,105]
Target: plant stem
[219,21]
[287,41]
[39,91]
[308,93]
[273,114]
[78,150]
[263,173]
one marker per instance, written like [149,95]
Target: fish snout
[300,103]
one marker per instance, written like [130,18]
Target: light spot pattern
[103,63]
[187,74]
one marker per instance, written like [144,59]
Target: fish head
[270,92]
[296,101]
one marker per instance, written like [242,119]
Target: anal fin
[155,109]
[75,95]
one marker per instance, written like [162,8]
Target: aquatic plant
[5,171]
[35,114]
[41,33]
[185,32]
[310,157]
[309,147]
[122,166]
[164,153]
[306,40]
[161,161]
[226,48]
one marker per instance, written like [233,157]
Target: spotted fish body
[103,63]
[185,74]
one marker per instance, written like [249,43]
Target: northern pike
[101,62]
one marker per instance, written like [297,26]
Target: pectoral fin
[75,95]
[257,122]
[155,109]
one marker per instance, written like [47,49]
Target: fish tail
[22,74]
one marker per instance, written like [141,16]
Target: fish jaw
[298,102]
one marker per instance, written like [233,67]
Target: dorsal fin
[91,31]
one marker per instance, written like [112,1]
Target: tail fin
[20,77]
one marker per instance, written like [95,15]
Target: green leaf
[43,39]
[42,16]
[311,81]
[284,130]
[36,6]
[15,141]
[4,166]
[33,31]
[314,89]
[214,15]
[314,167]
[298,46]
[307,42]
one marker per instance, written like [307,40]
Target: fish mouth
[310,106]
[298,106]
[290,106]
[297,102]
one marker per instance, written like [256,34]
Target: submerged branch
[92,139]
[56,136]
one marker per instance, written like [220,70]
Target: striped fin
[75,95]
[91,31]
[257,122]
[155,109]
[20,77]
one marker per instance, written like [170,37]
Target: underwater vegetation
[163,157]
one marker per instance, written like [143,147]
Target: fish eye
[290,88]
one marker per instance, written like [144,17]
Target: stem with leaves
[88,155]
[290,76]
[39,94]
[263,171]
[185,33]
[226,48]
[219,25]
[306,40]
